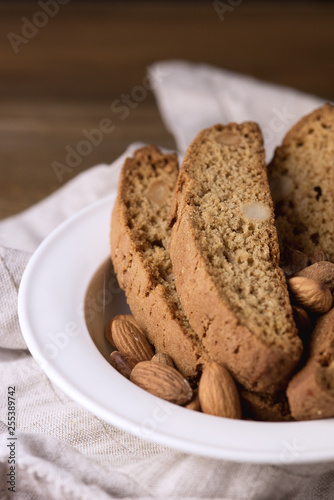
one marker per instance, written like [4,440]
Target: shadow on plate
[104,300]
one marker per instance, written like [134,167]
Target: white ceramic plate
[68,292]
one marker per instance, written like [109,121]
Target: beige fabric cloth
[195,96]
[64,452]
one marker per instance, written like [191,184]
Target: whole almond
[218,394]
[122,363]
[322,272]
[310,294]
[163,358]
[126,317]
[162,381]
[293,261]
[108,329]
[129,340]
[318,256]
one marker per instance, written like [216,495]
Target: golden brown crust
[297,132]
[148,299]
[301,176]
[257,365]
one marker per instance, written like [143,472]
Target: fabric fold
[195,96]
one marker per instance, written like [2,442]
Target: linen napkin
[194,96]
[62,450]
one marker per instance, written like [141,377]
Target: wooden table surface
[60,79]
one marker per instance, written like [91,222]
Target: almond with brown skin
[122,363]
[293,261]
[218,394]
[322,272]
[129,340]
[318,256]
[311,294]
[162,381]
[107,330]
[126,317]
[163,358]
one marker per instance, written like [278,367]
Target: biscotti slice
[225,257]
[139,238]
[311,391]
[265,407]
[301,177]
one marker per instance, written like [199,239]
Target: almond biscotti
[265,407]
[225,257]
[139,238]
[301,177]
[311,391]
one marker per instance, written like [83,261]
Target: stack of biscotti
[225,255]
[139,239]
[210,285]
[301,177]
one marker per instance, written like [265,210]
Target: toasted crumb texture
[147,192]
[240,246]
[311,391]
[147,172]
[224,234]
[301,177]
[139,240]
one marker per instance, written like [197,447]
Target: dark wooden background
[65,77]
